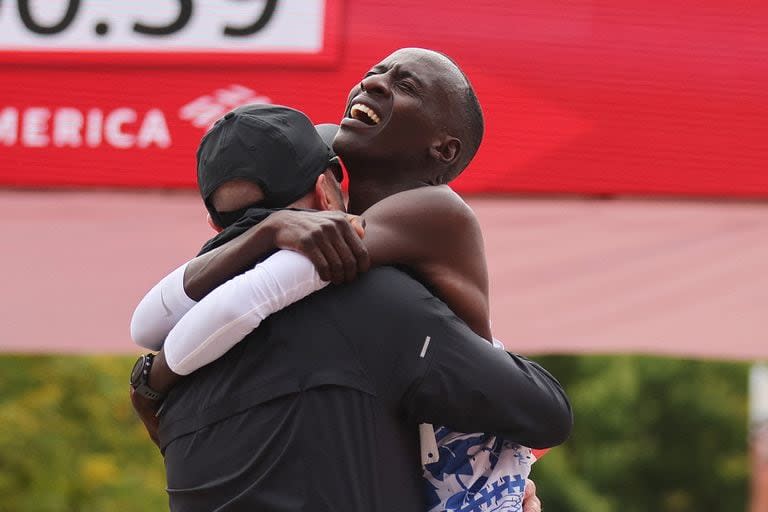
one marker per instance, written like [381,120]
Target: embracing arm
[423,358]
[461,381]
[160,309]
[430,230]
[226,315]
[231,311]
[433,232]
[329,239]
[170,299]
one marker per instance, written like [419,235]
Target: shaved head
[464,116]
[414,119]
[467,121]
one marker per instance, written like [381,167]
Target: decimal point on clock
[101,28]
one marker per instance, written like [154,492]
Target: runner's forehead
[415,60]
[431,68]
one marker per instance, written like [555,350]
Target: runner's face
[395,112]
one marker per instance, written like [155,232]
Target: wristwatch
[140,376]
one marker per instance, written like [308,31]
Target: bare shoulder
[439,196]
[428,227]
[436,234]
[433,206]
[421,226]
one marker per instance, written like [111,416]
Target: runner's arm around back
[423,358]
[328,239]
[430,230]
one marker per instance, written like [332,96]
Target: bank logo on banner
[202,112]
[122,127]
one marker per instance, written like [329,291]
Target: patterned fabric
[476,473]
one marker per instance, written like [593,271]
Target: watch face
[138,368]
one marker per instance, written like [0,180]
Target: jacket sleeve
[459,380]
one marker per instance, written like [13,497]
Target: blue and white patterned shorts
[476,473]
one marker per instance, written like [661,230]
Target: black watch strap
[140,378]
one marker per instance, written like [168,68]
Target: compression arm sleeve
[231,311]
[160,310]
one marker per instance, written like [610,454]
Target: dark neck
[364,193]
[377,182]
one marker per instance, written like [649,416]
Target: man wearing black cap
[339,371]
[256,161]
[234,154]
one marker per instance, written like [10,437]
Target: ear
[213,225]
[322,200]
[446,149]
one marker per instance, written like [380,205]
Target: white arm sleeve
[231,311]
[160,310]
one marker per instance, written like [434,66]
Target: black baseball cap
[274,146]
[328,132]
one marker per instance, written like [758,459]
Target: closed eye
[407,86]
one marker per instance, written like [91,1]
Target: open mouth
[365,114]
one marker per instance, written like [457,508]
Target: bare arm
[430,230]
[331,240]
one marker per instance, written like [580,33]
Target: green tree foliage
[651,434]
[69,440]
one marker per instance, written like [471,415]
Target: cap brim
[327,132]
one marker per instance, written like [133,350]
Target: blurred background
[622,187]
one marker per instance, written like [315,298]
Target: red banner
[580,97]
